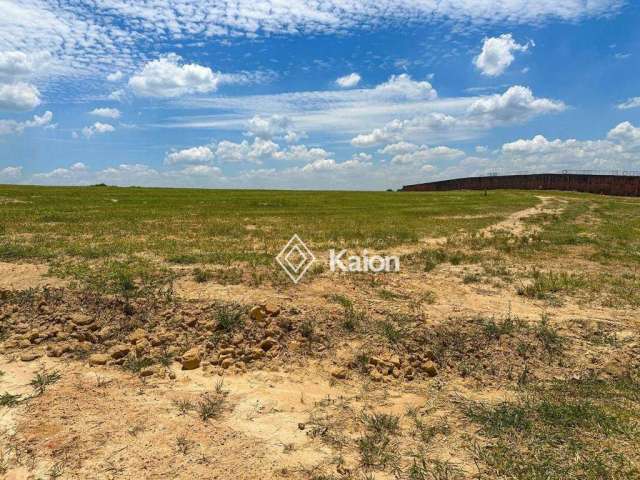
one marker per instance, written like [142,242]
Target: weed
[381,423]
[561,430]
[183,444]
[307,329]
[340,299]
[184,406]
[377,447]
[228,316]
[42,380]
[135,365]
[10,400]
[361,362]
[202,276]
[210,406]
[548,336]
[471,278]
[495,329]
[424,468]
[390,331]
[545,284]
[352,319]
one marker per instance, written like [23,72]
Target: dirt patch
[20,276]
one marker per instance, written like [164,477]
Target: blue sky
[308,94]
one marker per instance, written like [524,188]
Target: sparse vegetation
[563,430]
[42,380]
[135,299]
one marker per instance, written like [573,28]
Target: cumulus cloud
[255,152]
[404,87]
[169,77]
[194,155]
[9,127]
[105,112]
[618,151]
[115,76]
[497,54]
[15,64]
[630,103]
[517,104]
[397,130]
[377,136]
[10,173]
[19,96]
[625,133]
[399,148]
[97,128]
[348,81]
[302,153]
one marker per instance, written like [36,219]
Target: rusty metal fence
[625,184]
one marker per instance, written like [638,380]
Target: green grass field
[222,226]
[83,230]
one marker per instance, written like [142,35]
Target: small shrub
[229,317]
[391,332]
[135,364]
[42,380]
[201,275]
[551,340]
[10,400]
[210,406]
[352,319]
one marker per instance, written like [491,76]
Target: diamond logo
[295,258]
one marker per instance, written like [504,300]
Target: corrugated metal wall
[602,184]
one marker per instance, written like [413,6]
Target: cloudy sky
[346,94]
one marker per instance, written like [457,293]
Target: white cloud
[497,54]
[619,151]
[269,127]
[168,77]
[9,127]
[425,154]
[115,76]
[201,170]
[630,103]
[10,173]
[517,104]
[106,112]
[403,87]
[302,153]
[398,109]
[87,37]
[376,136]
[399,148]
[97,128]
[15,64]
[19,96]
[330,165]
[255,152]
[195,155]
[348,81]
[625,133]
[117,95]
